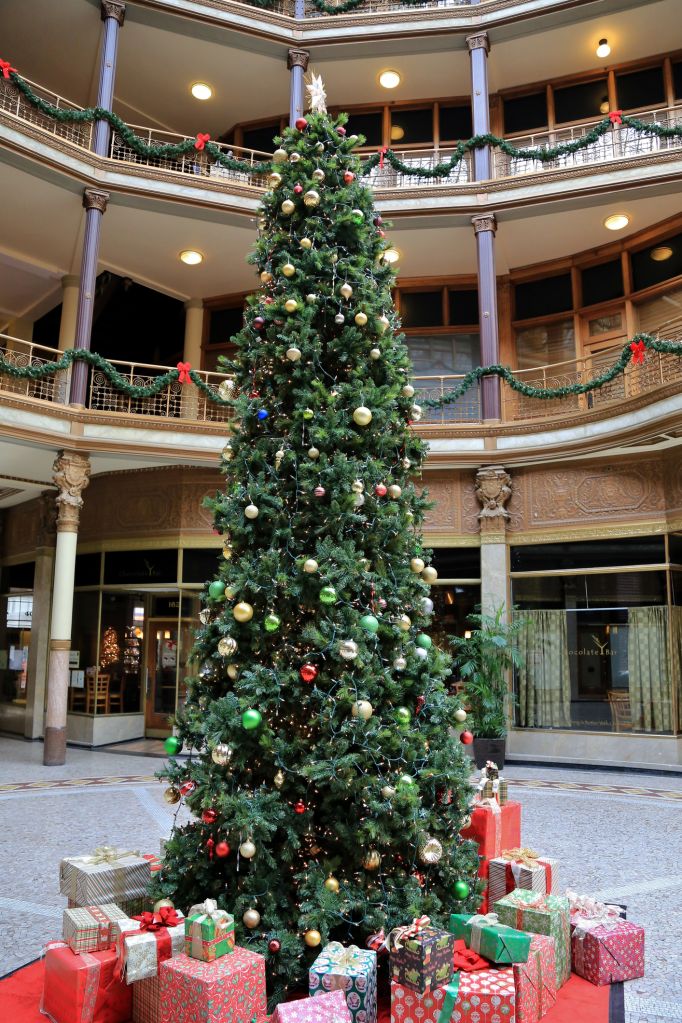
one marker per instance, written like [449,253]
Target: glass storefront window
[16,612]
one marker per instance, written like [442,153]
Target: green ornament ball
[251,719]
[272,623]
[328,595]
[216,589]
[369,623]
[461,890]
[308,413]
[172,745]
[403,716]
[423,641]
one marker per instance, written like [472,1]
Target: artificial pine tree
[330,783]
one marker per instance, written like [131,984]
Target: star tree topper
[318,97]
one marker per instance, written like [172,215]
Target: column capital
[479,41]
[484,222]
[95,199]
[298,58]
[194,303]
[71,474]
[70,281]
[493,488]
[113,9]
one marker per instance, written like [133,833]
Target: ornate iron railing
[13,102]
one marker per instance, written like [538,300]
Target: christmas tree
[330,784]
[110,652]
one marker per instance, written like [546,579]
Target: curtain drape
[544,679]
[649,669]
[676,666]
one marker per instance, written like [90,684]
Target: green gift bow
[451,990]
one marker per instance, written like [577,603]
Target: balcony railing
[13,102]
[390,6]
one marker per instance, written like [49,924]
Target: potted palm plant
[483,659]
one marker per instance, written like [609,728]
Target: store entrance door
[161,675]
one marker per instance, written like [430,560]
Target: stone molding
[480,41]
[484,222]
[95,199]
[493,490]
[71,474]
[113,9]
[298,58]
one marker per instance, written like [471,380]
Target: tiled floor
[617,835]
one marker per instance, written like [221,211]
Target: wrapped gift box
[209,932]
[329,1007]
[352,970]
[535,981]
[421,956]
[492,940]
[606,952]
[541,914]
[84,988]
[487,995]
[90,928]
[492,785]
[147,1001]
[229,990]
[142,945]
[155,862]
[493,828]
[407,1004]
[521,868]
[108,875]
[129,907]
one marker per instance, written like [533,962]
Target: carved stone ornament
[479,41]
[493,490]
[484,222]
[298,58]
[71,474]
[95,199]
[113,9]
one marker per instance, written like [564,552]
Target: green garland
[544,154]
[632,350]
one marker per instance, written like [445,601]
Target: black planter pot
[489,749]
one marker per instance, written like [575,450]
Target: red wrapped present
[483,995]
[407,1004]
[521,868]
[230,988]
[606,951]
[535,980]
[329,1007]
[155,862]
[494,828]
[84,988]
[147,1001]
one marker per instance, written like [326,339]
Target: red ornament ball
[308,672]
[209,816]
[274,945]
[301,123]
[380,490]
[348,177]
[378,221]
[300,807]
[319,491]
[341,130]
[382,234]
[298,189]
[258,323]
[187,788]
[467,738]
[382,603]
[254,394]
[222,849]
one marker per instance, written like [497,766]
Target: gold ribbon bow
[341,956]
[106,854]
[528,857]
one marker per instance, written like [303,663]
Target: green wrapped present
[541,914]
[490,938]
[209,932]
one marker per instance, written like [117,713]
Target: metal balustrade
[391,7]
[13,102]
[386,177]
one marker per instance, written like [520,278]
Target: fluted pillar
[485,226]
[297,62]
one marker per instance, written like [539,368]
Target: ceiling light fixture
[191,257]
[391,255]
[397,133]
[389,79]
[603,49]
[617,221]
[201,91]
[604,106]
[661,253]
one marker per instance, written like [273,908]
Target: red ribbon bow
[638,349]
[6,67]
[377,942]
[165,917]
[183,370]
[382,154]
[616,117]
[466,959]
[201,140]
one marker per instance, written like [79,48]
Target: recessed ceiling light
[191,257]
[389,79]
[603,49]
[391,255]
[617,221]
[201,91]
[397,133]
[661,253]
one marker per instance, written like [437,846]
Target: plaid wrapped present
[352,970]
[146,942]
[421,955]
[541,914]
[107,875]
[209,932]
[521,868]
[147,1001]
[89,928]
[229,990]
[83,988]
[490,938]
[329,1007]
[535,981]
[129,907]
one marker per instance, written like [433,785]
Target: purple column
[95,200]
[297,62]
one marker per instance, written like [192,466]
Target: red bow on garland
[6,67]
[638,349]
[616,117]
[201,141]
[183,370]
[382,154]
[166,917]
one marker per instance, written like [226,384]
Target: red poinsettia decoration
[638,349]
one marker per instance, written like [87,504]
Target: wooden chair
[98,694]
[116,698]
[77,699]
[619,702]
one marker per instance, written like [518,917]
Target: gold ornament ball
[384,323]
[227,552]
[251,511]
[361,319]
[280,156]
[312,938]
[417,565]
[291,305]
[288,269]
[357,486]
[408,391]
[230,592]
[430,851]
[388,792]
[262,223]
[288,207]
[279,780]
[406,463]
[311,299]
[313,453]
[346,290]
[331,884]
[404,623]
[306,243]
[362,709]
[310,566]
[242,611]
[251,918]
[429,575]
[375,353]
[247,849]
[372,860]
[364,564]
[163,904]
[227,646]
[233,671]
[228,453]
[274,179]
[394,491]
[172,795]
[466,821]
[362,416]
[266,276]
[312,198]
[225,390]
[293,354]
[460,714]
[221,754]
[318,174]
[294,158]
[416,413]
